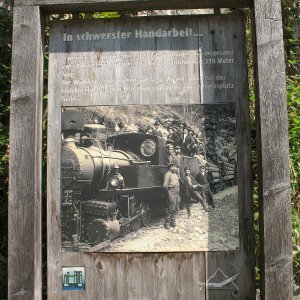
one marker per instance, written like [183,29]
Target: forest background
[291,29]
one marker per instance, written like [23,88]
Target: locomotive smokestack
[98,132]
[69,139]
[72,123]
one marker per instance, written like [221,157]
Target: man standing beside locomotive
[205,191]
[189,188]
[171,185]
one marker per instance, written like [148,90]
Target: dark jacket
[187,143]
[186,185]
[175,138]
[201,179]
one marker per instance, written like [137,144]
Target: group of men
[182,189]
[155,131]
[180,136]
[186,139]
[173,155]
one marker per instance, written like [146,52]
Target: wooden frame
[25,160]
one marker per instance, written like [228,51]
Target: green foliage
[5,70]
[293,95]
[103,15]
[291,17]
[296,244]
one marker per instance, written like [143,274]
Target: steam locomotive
[111,185]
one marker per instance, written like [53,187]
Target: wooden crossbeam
[68,6]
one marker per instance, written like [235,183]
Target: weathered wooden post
[24,226]
[218,41]
[272,144]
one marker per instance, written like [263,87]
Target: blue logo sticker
[73,278]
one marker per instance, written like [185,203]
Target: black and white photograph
[149,178]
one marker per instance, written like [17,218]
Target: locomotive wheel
[135,224]
[124,230]
[100,230]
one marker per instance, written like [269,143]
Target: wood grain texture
[67,6]
[54,255]
[24,225]
[138,276]
[274,172]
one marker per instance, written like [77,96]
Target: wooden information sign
[166,72]
[119,92]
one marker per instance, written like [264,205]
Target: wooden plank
[67,6]
[54,255]
[139,276]
[238,262]
[24,225]
[272,144]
